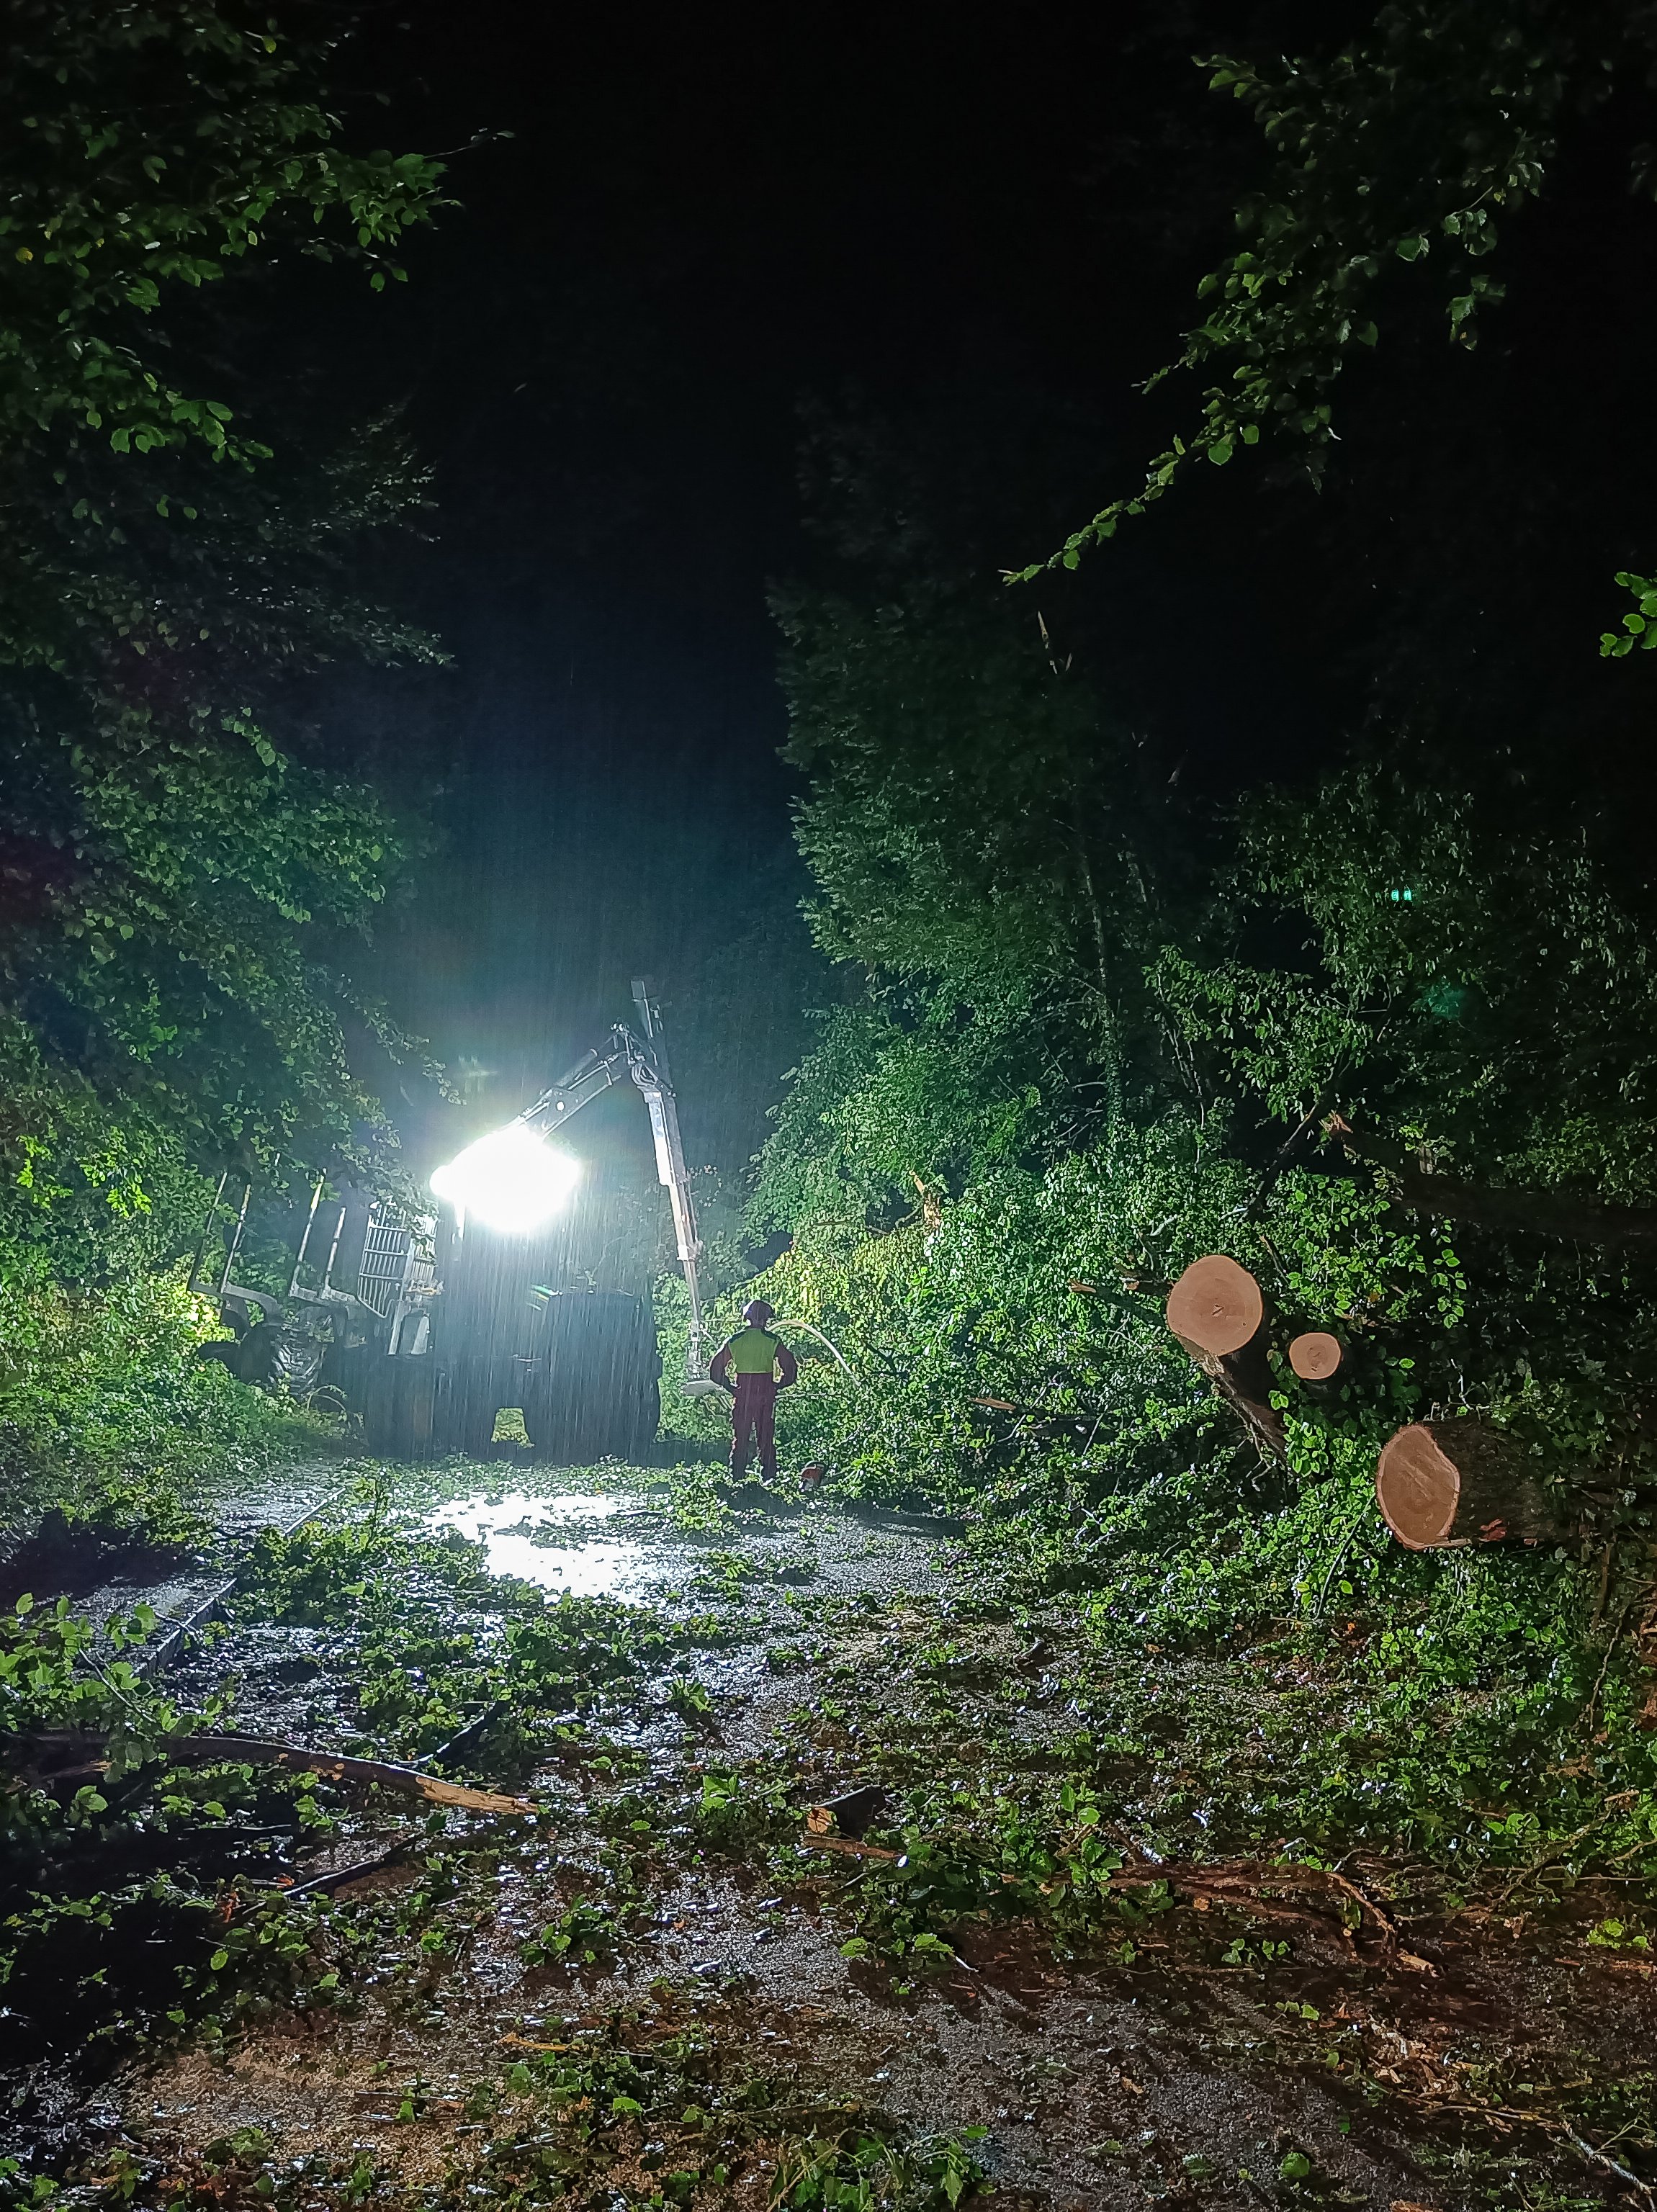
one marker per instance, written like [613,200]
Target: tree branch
[1511,1211]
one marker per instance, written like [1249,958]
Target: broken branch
[336,1766]
[258,1751]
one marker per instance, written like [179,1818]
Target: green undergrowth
[1315,1687]
[107,1414]
[1251,1661]
[1290,1687]
[1321,1688]
[115,1857]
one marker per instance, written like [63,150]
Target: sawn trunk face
[1456,1483]
[1217,1312]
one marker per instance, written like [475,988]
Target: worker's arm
[787,1367]
[719,1367]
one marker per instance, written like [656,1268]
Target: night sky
[700,221]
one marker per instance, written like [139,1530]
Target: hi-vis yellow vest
[753,1352]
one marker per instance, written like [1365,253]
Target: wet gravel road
[1099,2081]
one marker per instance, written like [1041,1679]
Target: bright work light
[511,1179]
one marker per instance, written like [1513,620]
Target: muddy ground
[1261,2044]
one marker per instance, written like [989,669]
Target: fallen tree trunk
[1216,1306]
[1451,1484]
[1514,1211]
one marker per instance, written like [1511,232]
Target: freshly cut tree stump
[1316,1356]
[1215,1305]
[1443,1484]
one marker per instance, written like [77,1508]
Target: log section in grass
[1316,1356]
[1443,1483]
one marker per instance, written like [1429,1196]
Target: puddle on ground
[513,1531]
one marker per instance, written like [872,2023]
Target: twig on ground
[320,1884]
[1341,1551]
[846,1848]
[1607,2164]
[336,1766]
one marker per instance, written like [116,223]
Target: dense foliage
[1415,143]
[106,1412]
[182,855]
[1379,1029]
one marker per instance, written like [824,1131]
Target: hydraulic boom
[642,1059]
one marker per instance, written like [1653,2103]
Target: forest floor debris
[1029,1971]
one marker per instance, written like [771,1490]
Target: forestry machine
[427,1333]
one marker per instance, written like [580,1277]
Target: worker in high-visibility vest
[761,1364]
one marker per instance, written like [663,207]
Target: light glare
[511,1179]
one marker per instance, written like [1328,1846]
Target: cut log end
[1417,1489]
[1215,1304]
[1316,1356]
[1442,1483]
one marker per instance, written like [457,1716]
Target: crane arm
[589,1079]
[643,1060]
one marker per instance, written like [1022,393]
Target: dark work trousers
[754,1413]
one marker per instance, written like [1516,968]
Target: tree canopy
[180,865]
[1410,148]
[1379,1026]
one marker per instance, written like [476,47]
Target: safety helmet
[756,1313]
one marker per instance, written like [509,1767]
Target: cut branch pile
[1257,1886]
[1439,1484]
